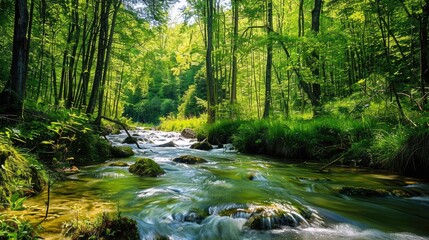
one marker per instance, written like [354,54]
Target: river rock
[129,140]
[118,164]
[269,217]
[189,159]
[204,145]
[188,133]
[169,144]
[70,170]
[121,151]
[146,167]
[367,192]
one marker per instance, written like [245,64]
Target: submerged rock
[146,167]
[118,164]
[129,140]
[367,192]
[121,151]
[189,159]
[188,133]
[204,145]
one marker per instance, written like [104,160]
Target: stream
[215,200]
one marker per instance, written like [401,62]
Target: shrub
[15,228]
[105,226]
[221,132]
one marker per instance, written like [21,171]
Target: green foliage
[104,226]
[16,202]
[251,137]
[178,124]
[16,229]
[221,132]
[20,175]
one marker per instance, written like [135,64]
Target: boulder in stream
[168,144]
[188,133]
[146,167]
[129,140]
[204,145]
[121,151]
[270,217]
[189,159]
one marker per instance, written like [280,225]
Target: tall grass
[178,124]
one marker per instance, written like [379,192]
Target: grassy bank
[355,141]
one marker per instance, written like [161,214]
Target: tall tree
[269,65]
[234,52]
[211,91]
[12,96]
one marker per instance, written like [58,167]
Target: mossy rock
[121,151]
[363,192]
[269,217]
[146,167]
[118,164]
[189,159]
[204,145]
[105,226]
[129,140]
[19,173]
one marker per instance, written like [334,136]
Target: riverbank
[368,142]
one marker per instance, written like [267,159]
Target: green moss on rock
[146,167]
[189,159]
[106,226]
[19,173]
[121,151]
[118,164]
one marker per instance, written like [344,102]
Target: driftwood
[123,126]
[332,162]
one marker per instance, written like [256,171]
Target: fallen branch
[332,162]
[123,126]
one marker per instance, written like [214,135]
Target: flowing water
[216,200]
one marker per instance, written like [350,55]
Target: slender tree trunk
[211,94]
[234,53]
[12,96]
[424,65]
[102,43]
[268,72]
[116,7]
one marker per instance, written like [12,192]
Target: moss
[189,159]
[118,164]
[121,151]
[363,192]
[146,167]
[89,148]
[19,173]
[105,226]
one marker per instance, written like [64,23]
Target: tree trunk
[424,65]
[269,65]
[12,96]
[116,7]
[211,96]
[234,53]
[102,43]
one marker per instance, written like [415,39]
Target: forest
[326,85]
